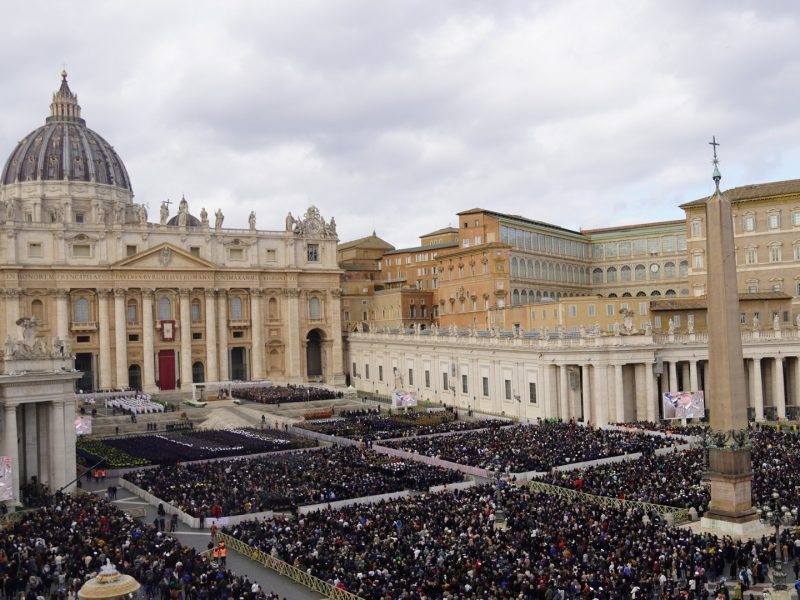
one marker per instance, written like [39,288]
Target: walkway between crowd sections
[269,580]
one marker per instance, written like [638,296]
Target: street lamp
[775,514]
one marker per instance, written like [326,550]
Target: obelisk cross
[714,143]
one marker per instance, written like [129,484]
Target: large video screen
[402,399]
[684,405]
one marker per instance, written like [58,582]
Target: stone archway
[314,357]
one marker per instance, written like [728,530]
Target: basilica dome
[65,149]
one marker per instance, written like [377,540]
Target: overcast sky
[399,114]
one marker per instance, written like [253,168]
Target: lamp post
[775,514]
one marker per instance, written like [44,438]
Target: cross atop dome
[716,175]
[65,105]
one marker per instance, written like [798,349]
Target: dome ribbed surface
[65,149]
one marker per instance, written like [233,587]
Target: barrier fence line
[315,584]
[679,515]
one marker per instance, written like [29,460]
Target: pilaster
[104,331]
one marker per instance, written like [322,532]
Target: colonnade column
[672,384]
[120,338]
[693,376]
[186,339]
[336,327]
[293,335]
[756,389]
[563,391]
[795,399]
[10,448]
[600,395]
[586,398]
[211,336]
[222,336]
[104,327]
[31,440]
[57,446]
[148,349]
[70,437]
[651,409]
[62,313]
[619,395]
[778,394]
[257,330]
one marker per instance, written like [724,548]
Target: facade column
[104,330]
[651,405]
[756,388]
[120,338]
[186,339]
[62,313]
[31,441]
[693,376]
[619,395]
[211,336]
[685,376]
[795,401]
[600,395]
[10,447]
[778,393]
[43,433]
[257,331]
[148,349]
[222,334]
[292,324]
[12,313]
[70,437]
[57,446]
[672,384]
[586,397]
[337,356]
[563,392]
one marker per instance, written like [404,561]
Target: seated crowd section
[169,448]
[283,482]
[50,552]
[447,545]
[372,426]
[523,448]
[131,402]
[276,394]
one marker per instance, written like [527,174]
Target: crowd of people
[283,482]
[449,546]
[377,426]
[176,446]
[667,427]
[524,448]
[275,394]
[51,552]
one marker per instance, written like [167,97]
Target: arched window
[314,308]
[515,298]
[524,297]
[669,270]
[523,269]
[551,272]
[196,311]
[236,308]
[611,275]
[625,273]
[612,295]
[37,310]
[597,276]
[272,308]
[670,293]
[514,267]
[133,311]
[81,310]
[530,268]
[641,295]
[640,273]
[655,293]
[683,268]
[164,308]
[198,373]
[537,270]
[626,295]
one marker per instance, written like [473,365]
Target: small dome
[191,221]
[65,149]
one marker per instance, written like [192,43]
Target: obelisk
[731,508]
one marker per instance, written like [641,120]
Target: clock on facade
[654,268]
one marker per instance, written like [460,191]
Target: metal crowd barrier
[679,515]
[282,568]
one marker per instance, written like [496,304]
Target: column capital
[60,292]
[148,292]
[13,292]
[257,292]
[120,292]
[10,406]
[210,293]
[221,292]
[336,292]
[103,292]
[291,293]
[184,291]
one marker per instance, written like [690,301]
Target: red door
[166,369]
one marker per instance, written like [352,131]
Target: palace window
[750,256]
[236,308]
[774,220]
[130,250]
[464,384]
[485,385]
[37,310]
[133,311]
[775,254]
[749,223]
[696,229]
[35,250]
[195,311]
[313,253]
[532,393]
[164,308]
[314,308]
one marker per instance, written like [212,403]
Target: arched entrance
[314,353]
[198,373]
[135,377]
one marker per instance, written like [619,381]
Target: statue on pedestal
[164,213]
[203,217]
[218,219]
[251,220]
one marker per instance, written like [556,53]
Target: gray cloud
[397,115]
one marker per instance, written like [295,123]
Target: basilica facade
[158,305]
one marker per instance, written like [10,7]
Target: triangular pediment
[164,256]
